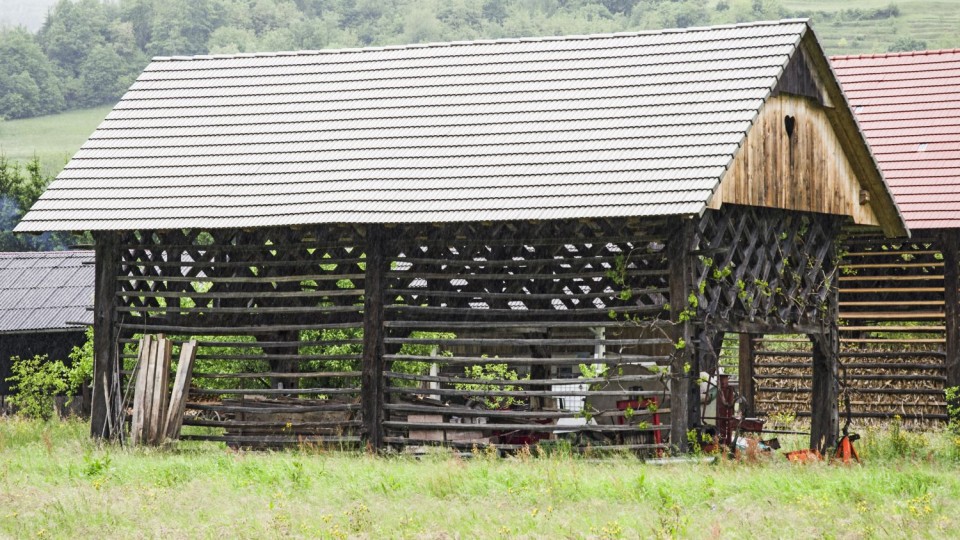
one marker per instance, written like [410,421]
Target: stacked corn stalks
[157,414]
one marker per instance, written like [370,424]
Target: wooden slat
[181,386]
[522,393]
[523,382]
[902,315]
[540,428]
[139,392]
[469,360]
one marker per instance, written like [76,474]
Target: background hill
[58,79]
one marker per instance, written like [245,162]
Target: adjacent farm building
[469,243]
[44,305]
[898,297]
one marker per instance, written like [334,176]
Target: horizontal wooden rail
[274,391]
[306,407]
[610,358]
[522,393]
[523,342]
[547,428]
[522,382]
[498,413]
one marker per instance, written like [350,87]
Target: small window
[922,147]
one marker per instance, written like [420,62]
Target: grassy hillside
[936,23]
[53,138]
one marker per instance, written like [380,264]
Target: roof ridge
[532,39]
[929,52]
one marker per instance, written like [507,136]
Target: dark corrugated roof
[908,106]
[634,124]
[45,290]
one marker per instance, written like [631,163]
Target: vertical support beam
[825,417]
[371,391]
[824,413]
[745,375]
[682,369]
[951,297]
[106,368]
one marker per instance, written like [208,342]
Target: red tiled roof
[908,105]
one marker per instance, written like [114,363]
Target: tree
[28,84]
[182,27]
[104,77]
[72,30]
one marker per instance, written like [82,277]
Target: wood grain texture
[806,170]
[181,388]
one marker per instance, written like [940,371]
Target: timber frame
[326,334]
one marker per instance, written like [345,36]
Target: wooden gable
[793,157]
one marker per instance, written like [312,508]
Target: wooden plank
[498,413]
[528,342]
[540,428]
[523,382]
[159,395]
[136,424]
[606,322]
[874,328]
[149,388]
[888,315]
[275,391]
[523,393]
[610,358]
[181,387]
[151,327]
[915,277]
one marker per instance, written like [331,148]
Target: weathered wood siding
[804,168]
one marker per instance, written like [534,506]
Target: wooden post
[682,369]
[824,413]
[106,367]
[371,391]
[825,418]
[745,375]
[951,297]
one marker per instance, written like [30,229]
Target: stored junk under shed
[465,244]
[900,333]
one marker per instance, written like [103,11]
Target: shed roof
[908,106]
[44,291]
[636,124]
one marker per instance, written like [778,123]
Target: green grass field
[55,483]
[53,138]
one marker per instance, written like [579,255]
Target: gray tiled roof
[45,290]
[633,124]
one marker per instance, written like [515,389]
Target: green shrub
[491,372]
[36,383]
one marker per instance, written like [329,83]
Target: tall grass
[55,482]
